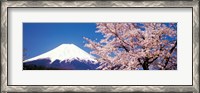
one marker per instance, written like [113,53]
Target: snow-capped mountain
[65,56]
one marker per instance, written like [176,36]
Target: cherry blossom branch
[167,59]
[127,50]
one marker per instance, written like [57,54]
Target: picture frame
[5,5]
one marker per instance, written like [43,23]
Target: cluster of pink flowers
[133,46]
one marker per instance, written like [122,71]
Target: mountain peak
[65,52]
[67,45]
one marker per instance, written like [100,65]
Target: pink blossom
[133,47]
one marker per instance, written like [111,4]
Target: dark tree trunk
[145,66]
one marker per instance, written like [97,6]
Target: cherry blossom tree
[136,46]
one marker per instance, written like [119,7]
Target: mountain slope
[65,56]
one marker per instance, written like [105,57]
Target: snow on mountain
[65,52]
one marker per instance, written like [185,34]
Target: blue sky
[39,38]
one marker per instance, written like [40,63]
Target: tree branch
[153,59]
[127,50]
[167,58]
